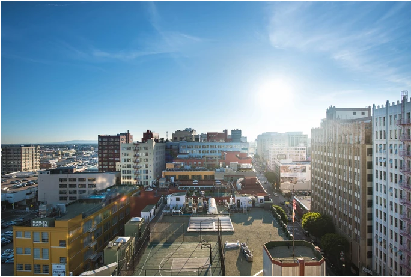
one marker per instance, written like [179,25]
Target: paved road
[298,229]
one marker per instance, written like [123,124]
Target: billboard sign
[295,176]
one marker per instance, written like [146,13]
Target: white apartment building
[294,154]
[65,185]
[270,139]
[342,180]
[142,163]
[392,206]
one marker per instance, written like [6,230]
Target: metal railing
[404,121]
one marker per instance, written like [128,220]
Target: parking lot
[7,216]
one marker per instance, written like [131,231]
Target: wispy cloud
[368,37]
[174,42]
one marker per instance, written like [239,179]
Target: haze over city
[76,70]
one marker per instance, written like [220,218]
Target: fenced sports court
[167,249]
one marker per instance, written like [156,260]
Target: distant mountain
[73,142]
[62,142]
[81,142]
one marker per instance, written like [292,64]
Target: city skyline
[76,70]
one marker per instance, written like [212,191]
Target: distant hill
[75,142]
[62,142]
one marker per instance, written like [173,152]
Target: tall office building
[392,206]
[15,158]
[341,178]
[109,150]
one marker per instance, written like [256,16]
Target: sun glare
[275,93]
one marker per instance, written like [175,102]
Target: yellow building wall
[189,173]
[54,234]
[72,232]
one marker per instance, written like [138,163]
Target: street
[299,233]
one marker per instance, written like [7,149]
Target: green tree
[281,212]
[333,244]
[317,224]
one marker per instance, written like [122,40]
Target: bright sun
[275,93]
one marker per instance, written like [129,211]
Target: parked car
[25,180]
[10,261]
[13,182]
[4,225]
[4,258]
[9,232]
[8,251]
[12,223]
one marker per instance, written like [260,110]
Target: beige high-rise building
[342,178]
[15,158]
[392,188]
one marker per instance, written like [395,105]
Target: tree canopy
[281,212]
[317,224]
[333,244]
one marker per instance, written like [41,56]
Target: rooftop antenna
[166,135]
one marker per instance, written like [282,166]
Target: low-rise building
[292,258]
[74,242]
[65,184]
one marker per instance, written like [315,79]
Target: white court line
[258,273]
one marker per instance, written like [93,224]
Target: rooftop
[93,204]
[148,208]
[283,251]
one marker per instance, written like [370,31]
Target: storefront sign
[59,270]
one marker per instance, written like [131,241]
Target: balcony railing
[403,184]
[405,202]
[405,170]
[405,137]
[406,217]
[406,234]
[405,153]
[91,244]
[404,121]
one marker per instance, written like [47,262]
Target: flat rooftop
[90,206]
[283,250]
[147,208]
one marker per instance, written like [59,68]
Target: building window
[44,237]
[46,268]
[37,268]
[63,260]
[27,251]
[19,234]
[19,250]
[19,266]
[27,267]
[27,235]
[62,243]
[36,253]
[45,254]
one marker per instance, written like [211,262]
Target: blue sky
[74,70]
